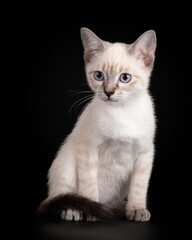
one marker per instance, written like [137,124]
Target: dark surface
[52,65]
[91,231]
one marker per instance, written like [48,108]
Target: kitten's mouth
[109,100]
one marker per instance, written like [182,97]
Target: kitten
[109,154]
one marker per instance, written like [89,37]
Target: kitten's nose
[109,93]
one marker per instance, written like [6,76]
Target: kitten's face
[117,72]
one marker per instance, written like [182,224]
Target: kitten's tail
[55,206]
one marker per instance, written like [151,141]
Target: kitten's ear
[91,43]
[144,48]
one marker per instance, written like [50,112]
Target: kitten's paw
[138,215]
[70,215]
[91,218]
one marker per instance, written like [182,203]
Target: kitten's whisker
[79,92]
[80,101]
[83,101]
[76,103]
[83,109]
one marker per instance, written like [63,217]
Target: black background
[52,55]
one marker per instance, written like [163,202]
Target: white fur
[99,122]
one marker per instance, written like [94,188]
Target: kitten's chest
[114,154]
[121,124]
[116,159]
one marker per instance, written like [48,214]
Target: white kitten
[108,156]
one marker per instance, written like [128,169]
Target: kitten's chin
[112,101]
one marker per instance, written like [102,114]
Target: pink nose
[109,94]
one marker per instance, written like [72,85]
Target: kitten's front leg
[86,182]
[87,176]
[136,207]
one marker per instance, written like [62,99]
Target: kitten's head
[117,72]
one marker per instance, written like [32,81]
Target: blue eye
[99,76]
[125,77]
